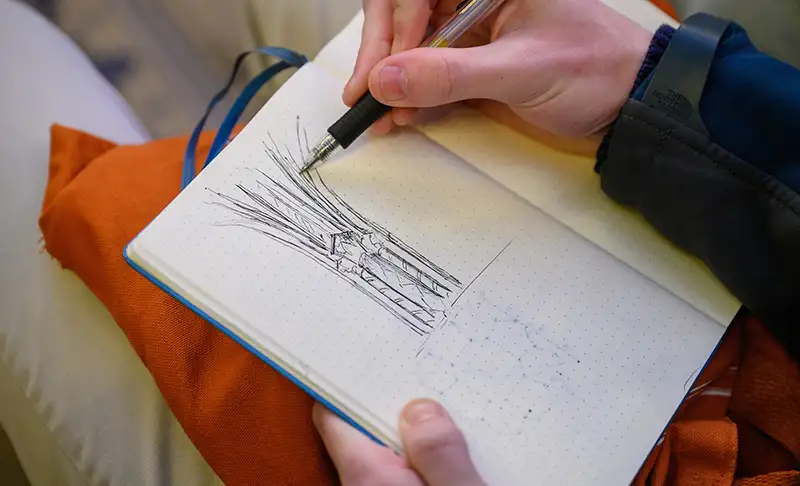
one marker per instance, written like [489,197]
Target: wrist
[658,45]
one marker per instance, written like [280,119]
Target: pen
[367,110]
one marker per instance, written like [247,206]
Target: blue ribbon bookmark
[287,59]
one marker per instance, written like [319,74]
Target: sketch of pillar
[303,213]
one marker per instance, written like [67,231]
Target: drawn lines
[482,271]
[303,213]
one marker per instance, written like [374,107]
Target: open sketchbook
[459,261]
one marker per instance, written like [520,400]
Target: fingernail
[393,83]
[422,411]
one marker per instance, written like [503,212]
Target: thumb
[358,459]
[426,77]
[435,447]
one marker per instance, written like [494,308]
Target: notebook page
[562,185]
[409,273]
[567,188]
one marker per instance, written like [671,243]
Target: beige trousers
[304,26]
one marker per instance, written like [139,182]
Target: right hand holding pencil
[564,66]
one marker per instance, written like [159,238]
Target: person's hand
[435,450]
[564,66]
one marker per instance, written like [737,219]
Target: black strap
[679,78]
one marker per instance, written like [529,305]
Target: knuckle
[447,82]
[431,81]
[442,80]
[434,441]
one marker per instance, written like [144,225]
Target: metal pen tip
[308,163]
[319,153]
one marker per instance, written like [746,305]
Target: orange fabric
[252,425]
[786,478]
[740,423]
[703,449]
[666,7]
[738,426]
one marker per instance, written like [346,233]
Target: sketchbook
[457,260]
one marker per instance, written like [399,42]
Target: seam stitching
[668,135]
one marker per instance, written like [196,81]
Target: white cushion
[76,402]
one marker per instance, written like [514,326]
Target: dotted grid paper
[566,187]
[560,363]
[563,186]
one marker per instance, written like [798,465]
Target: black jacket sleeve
[726,189]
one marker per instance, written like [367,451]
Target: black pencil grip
[358,119]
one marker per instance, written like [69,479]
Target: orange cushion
[740,423]
[252,425]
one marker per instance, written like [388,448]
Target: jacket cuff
[658,44]
[718,204]
[741,222]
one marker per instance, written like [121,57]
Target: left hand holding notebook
[436,452]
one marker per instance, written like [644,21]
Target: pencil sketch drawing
[303,213]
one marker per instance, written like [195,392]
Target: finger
[359,460]
[430,77]
[404,116]
[435,447]
[376,43]
[383,125]
[408,116]
[410,20]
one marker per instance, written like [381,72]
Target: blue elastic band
[238,107]
[287,58]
